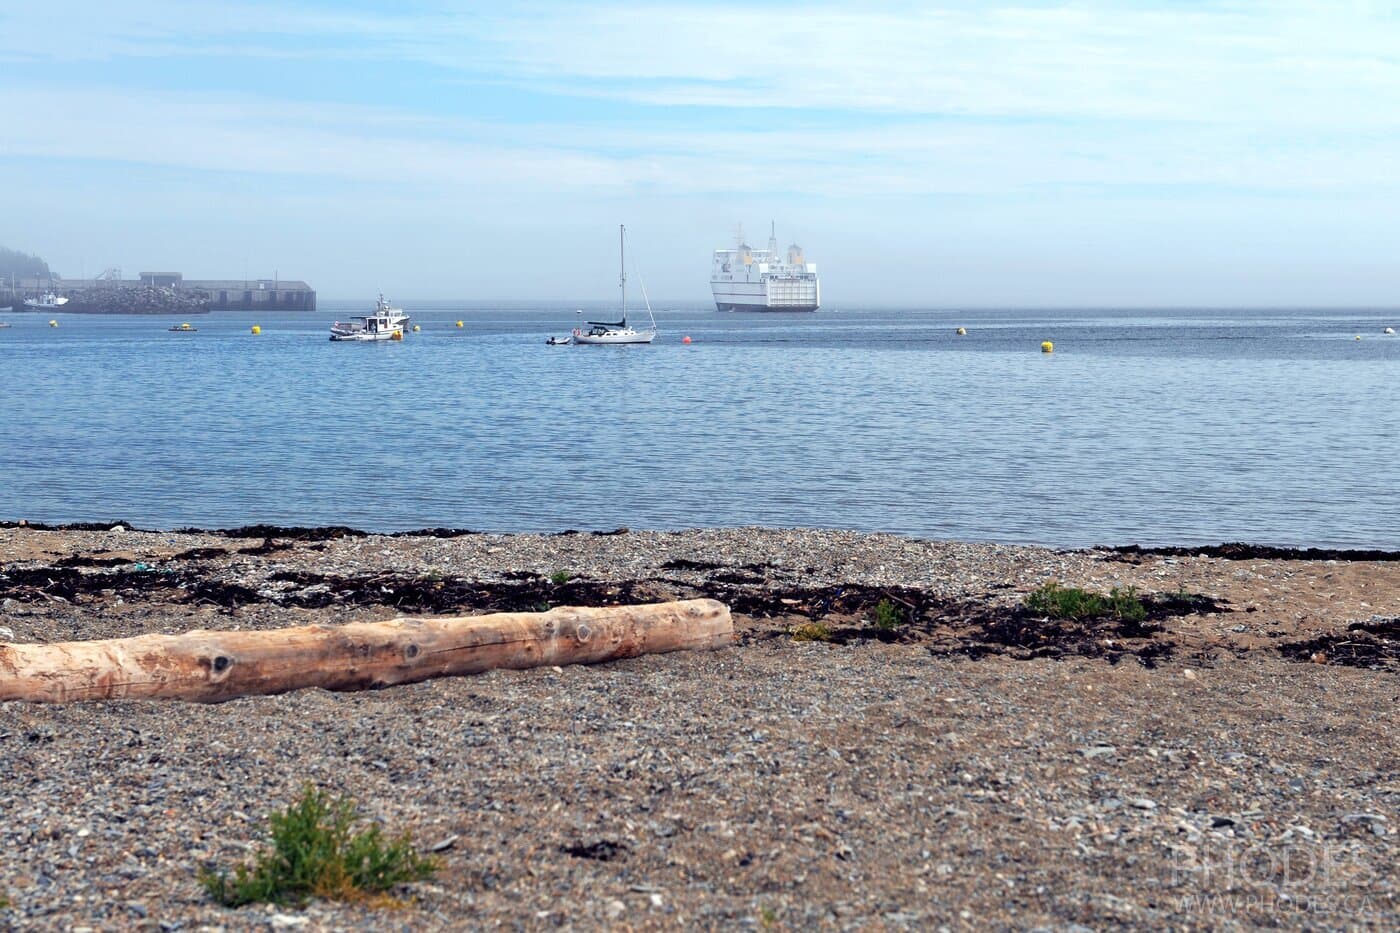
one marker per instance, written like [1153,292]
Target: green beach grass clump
[1067,602]
[317,851]
[560,577]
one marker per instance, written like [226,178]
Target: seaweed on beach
[683,563]
[436,533]
[1373,645]
[200,553]
[293,532]
[425,594]
[68,584]
[971,628]
[92,560]
[1025,635]
[1238,550]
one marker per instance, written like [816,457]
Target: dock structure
[273,294]
[255,294]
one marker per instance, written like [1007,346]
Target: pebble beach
[1232,762]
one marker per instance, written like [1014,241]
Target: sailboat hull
[615,338]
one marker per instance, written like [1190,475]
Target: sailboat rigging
[610,332]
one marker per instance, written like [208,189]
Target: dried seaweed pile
[1374,645]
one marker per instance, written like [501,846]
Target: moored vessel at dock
[748,279]
[45,302]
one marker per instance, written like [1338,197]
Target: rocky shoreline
[1229,759]
[129,299]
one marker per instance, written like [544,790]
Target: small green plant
[887,616]
[1062,602]
[560,577]
[767,917]
[811,631]
[317,852]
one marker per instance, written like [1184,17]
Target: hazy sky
[938,155]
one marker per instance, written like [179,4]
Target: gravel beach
[1232,762]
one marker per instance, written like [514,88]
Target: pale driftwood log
[210,667]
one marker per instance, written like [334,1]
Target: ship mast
[622,268]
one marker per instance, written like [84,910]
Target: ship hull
[798,309]
[775,294]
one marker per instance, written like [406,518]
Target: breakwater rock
[136,299]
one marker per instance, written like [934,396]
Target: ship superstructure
[748,279]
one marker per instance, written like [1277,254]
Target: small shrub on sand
[317,852]
[811,631]
[560,577]
[887,616]
[1067,602]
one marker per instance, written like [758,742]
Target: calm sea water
[1166,427]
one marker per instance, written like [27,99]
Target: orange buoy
[686,340]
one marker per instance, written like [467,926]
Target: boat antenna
[622,268]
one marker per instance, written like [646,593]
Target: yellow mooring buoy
[256,330]
[53,323]
[1047,347]
[459,323]
[962,331]
[396,335]
[416,328]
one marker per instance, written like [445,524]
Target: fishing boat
[618,332]
[183,329]
[45,302]
[397,317]
[366,327]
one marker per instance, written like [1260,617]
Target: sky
[932,155]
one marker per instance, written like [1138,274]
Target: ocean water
[1177,427]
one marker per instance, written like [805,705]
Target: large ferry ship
[748,279]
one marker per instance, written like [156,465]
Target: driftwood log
[209,667]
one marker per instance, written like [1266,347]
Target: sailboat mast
[622,268]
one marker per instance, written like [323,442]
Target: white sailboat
[616,332]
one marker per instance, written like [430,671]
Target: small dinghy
[559,341]
[183,329]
